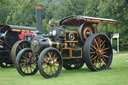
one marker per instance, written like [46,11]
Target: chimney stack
[39,8]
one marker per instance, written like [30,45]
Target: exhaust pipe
[39,8]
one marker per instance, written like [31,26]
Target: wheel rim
[99,53]
[50,63]
[27,63]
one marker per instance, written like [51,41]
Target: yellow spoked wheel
[50,63]
[98,52]
[26,62]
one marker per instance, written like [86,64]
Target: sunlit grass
[116,75]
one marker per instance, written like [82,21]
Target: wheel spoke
[102,43]
[94,63]
[93,47]
[98,63]
[46,57]
[45,60]
[106,48]
[22,64]
[103,61]
[106,56]
[24,57]
[92,52]
[54,68]
[54,55]
[23,45]
[46,70]
[50,56]
[26,54]
[30,68]
[96,43]
[94,58]
[45,67]
[26,69]
[55,59]
[51,70]
[30,55]
[56,62]
[103,46]
[19,47]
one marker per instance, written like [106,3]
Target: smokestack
[39,8]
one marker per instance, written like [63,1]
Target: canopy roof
[7,27]
[78,20]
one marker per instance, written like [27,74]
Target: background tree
[22,12]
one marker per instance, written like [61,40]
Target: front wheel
[26,62]
[98,52]
[50,63]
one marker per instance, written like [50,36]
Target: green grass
[117,75]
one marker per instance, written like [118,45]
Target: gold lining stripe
[73,45]
[57,45]
[50,42]
[20,30]
[65,45]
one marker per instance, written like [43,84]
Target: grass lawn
[117,75]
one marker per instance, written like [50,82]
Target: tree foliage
[22,12]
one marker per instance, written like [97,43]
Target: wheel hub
[99,52]
[51,62]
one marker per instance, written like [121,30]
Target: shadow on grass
[64,73]
[7,68]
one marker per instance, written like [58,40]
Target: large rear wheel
[50,63]
[17,47]
[98,52]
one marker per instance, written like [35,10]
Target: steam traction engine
[12,40]
[68,49]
